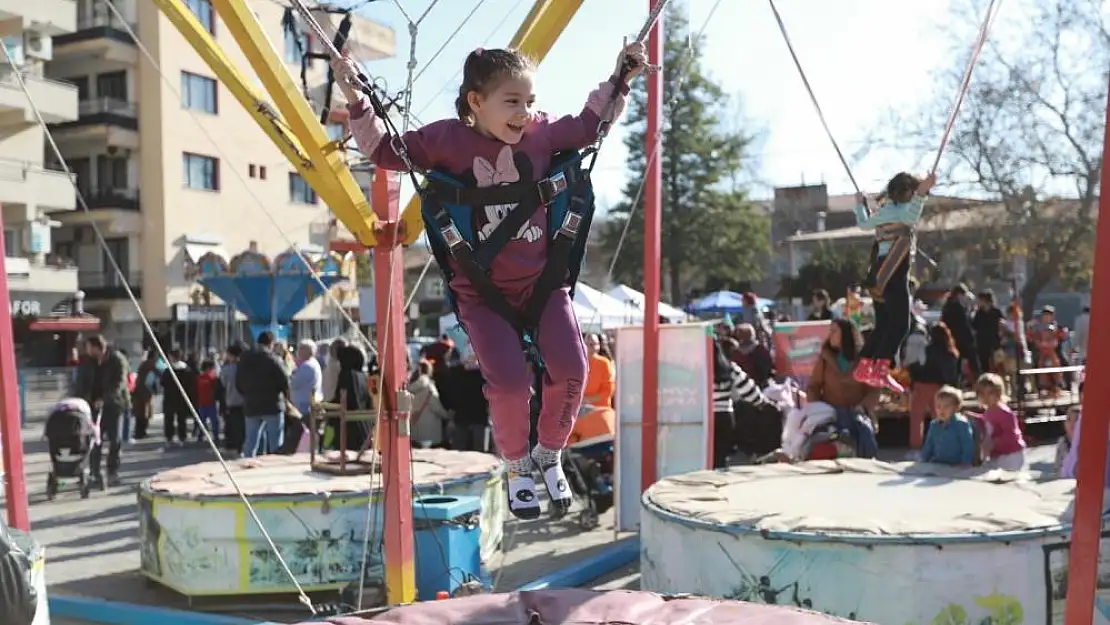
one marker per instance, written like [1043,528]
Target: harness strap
[898,253]
[526,321]
[529,197]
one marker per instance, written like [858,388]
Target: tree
[831,268]
[712,233]
[1030,132]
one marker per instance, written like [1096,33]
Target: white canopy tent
[605,310]
[634,299]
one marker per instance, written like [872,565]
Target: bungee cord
[108,255]
[813,96]
[965,82]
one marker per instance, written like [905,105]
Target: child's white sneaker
[524,503]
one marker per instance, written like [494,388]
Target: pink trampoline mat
[587,607]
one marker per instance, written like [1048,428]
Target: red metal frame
[653,225]
[11,428]
[711,422]
[393,431]
[1083,556]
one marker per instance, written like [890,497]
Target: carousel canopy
[268,290]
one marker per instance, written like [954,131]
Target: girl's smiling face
[506,111]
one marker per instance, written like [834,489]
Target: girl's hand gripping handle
[631,62]
[353,83]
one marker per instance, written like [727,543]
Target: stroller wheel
[51,486]
[587,519]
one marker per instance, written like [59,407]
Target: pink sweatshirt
[452,147]
[1005,432]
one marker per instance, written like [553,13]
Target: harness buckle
[571,223]
[550,188]
[452,237]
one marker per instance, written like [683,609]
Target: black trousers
[235,429]
[175,419]
[893,314]
[724,438]
[111,434]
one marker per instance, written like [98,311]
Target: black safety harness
[474,261]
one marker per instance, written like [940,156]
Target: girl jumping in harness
[888,279]
[499,140]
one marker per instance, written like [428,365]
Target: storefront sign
[32,304]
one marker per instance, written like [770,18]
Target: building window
[82,168]
[14,46]
[11,243]
[112,85]
[111,172]
[261,172]
[201,172]
[198,92]
[82,84]
[252,170]
[203,10]
[299,191]
[297,43]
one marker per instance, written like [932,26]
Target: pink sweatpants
[509,376]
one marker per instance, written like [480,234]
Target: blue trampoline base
[617,555]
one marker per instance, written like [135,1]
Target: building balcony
[104,121]
[46,275]
[119,198]
[26,183]
[101,37]
[106,284]
[49,17]
[57,101]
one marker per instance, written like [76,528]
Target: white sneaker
[558,489]
[524,503]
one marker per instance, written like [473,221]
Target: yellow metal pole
[337,186]
[541,28]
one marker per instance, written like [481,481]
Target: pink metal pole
[11,435]
[653,220]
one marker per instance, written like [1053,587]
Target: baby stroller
[588,465]
[72,433]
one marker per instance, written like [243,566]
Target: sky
[847,49]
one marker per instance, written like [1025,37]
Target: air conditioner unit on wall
[38,46]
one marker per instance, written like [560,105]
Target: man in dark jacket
[987,324]
[264,385]
[176,404]
[954,315]
[102,381]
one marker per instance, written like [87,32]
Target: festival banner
[685,409]
[798,346]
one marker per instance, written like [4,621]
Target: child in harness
[501,222]
[888,278]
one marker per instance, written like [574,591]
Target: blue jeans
[272,427]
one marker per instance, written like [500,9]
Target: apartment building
[171,164]
[33,196]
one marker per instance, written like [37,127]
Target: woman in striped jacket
[730,386]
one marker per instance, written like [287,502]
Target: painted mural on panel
[1056,581]
[838,582]
[321,544]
